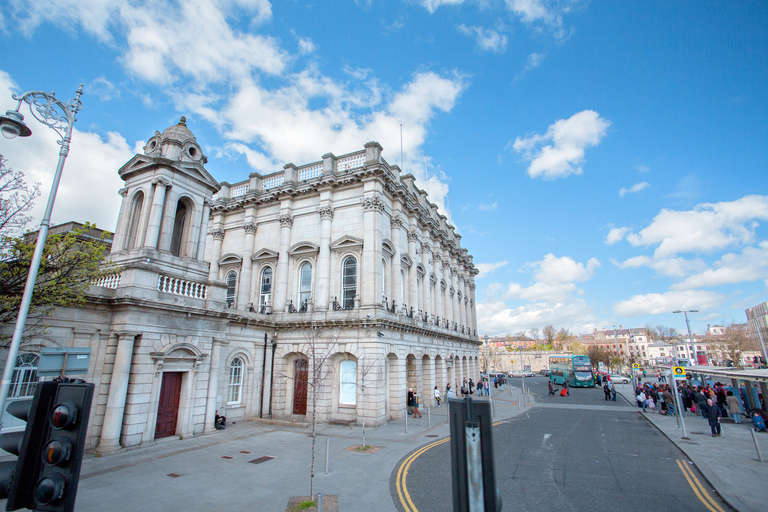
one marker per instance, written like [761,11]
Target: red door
[168,409]
[300,375]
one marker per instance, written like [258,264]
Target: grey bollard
[327,449]
[319,502]
[429,417]
[757,447]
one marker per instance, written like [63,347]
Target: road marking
[698,489]
[402,473]
[544,441]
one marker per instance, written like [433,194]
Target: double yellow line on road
[698,489]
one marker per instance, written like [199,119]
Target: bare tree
[563,338]
[370,374]
[734,342]
[535,333]
[598,355]
[319,371]
[16,200]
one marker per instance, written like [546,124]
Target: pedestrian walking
[607,391]
[416,413]
[713,417]
[471,385]
[551,389]
[437,396]
[449,394]
[487,387]
[734,407]
[669,400]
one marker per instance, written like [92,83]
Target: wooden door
[168,408]
[300,375]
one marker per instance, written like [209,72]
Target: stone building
[335,283]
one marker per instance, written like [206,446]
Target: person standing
[410,400]
[734,407]
[487,387]
[669,400]
[607,391]
[551,389]
[471,385]
[437,396]
[449,394]
[613,390]
[701,402]
[713,417]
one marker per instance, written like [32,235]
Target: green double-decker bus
[577,370]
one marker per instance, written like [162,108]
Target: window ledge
[347,406]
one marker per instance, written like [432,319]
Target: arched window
[265,289]
[133,221]
[24,379]
[235,391]
[305,285]
[349,283]
[231,287]
[179,237]
[348,382]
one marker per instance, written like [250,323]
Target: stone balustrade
[182,287]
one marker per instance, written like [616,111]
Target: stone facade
[335,285]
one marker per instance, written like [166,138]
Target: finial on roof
[183,120]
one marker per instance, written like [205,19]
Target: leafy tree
[734,342]
[578,348]
[70,263]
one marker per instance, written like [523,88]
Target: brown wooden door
[168,408]
[300,375]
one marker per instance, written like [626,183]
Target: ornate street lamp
[61,118]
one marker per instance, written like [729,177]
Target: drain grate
[260,460]
[431,435]
[173,475]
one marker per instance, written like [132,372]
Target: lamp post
[690,337]
[61,118]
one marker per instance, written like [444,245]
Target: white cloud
[750,265]
[487,39]
[616,235]
[487,207]
[657,303]
[637,187]
[642,168]
[706,228]
[670,267]
[560,151]
[489,268]
[433,5]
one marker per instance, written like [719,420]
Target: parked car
[619,379]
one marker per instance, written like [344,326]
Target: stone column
[118,392]
[213,385]
[123,223]
[397,285]
[244,290]
[426,252]
[437,263]
[203,234]
[428,395]
[413,291]
[323,291]
[281,279]
[156,213]
[218,238]
[370,281]
[472,304]
[454,299]
[462,308]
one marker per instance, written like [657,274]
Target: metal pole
[327,450]
[694,359]
[263,374]
[406,419]
[762,344]
[679,408]
[616,341]
[757,447]
[319,502]
[429,417]
[69,111]
[272,376]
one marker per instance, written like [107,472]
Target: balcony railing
[182,287]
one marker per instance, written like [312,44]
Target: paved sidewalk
[217,472]
[729,462]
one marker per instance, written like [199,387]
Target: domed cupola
[177,142]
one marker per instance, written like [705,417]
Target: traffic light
[48,469]
[11,442]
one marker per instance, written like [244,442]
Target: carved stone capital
[217,234]
[374,204]
[250,228]
[413,236]
[161,179]
[325,212]
[123,191]
[286,220]
[396,222]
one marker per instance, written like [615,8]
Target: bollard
[406,420]
[327,449]
[319,502]
[429,417]
[757,447]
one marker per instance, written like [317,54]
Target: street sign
[635,365]
[678,372]
[512,361]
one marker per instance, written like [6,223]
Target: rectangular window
[348,382]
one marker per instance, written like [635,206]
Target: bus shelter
[755,382]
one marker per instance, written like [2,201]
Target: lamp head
[677,311]
[12,125]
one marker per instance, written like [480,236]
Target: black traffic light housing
[51,452]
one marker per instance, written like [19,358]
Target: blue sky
[603,161]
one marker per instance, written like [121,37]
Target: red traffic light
[64,415]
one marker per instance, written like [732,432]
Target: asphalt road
[569,454]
